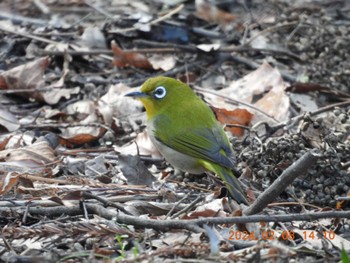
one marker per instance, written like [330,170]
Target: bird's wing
[203,143]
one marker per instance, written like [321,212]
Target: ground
[80,180]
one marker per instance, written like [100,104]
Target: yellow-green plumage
[186,132]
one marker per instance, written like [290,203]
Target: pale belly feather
[177,159]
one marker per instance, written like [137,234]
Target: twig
[255,65]
[168,15]
[156,21]
[177,204]
[298,168]
[99,9]
[42,52]
[66,125]
[5,204]
[330,107]
[296,119]
[7,167]
[105,202]
[187,224]
[244,48]
[234,101]
[31,36]
[191,225]
[43,7]
[22,19]
[171,72]
[273,28]
[189,207]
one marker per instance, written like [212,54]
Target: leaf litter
[78,171]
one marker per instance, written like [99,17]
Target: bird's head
[160,93]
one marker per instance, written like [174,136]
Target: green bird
[186,132]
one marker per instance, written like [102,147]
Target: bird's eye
[159,92]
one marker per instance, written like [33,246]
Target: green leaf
[344,256]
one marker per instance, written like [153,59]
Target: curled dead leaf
[8,120]
[7,181]
[29,80]
[142,146]
[126,58]
[231,117]
[80,139]
[212,14]
[33,156]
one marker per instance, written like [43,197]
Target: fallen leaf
[209,47]
[127,58]
[8,120]
[135,171]
[7,181]
[25,77]
[86,115]
[299,87]
[32,156]
[304,102]
[264,88]
[210,209]
[142,146]
[212,14]
[231,117]
[96,167]
[4,142]
[114,104]
[80,139]
[93,38]
[163,62]
[30,77]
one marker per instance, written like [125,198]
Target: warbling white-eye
[185,131]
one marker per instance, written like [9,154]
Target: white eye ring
[159,92]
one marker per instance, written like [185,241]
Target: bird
[186,132]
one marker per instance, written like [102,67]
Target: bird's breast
[177,159]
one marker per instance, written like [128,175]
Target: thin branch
[191,225]
[234,101]
[296,119]
[156,21]
[189,207]
[28,35]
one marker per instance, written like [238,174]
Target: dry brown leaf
[126,58]
[56,91]
[87,131]
[299,87]
[30,76]
[25,77]
[32,156]
[230,117]
[265,82]
[143,146]
[80,139]
[212,14]
[114,104]
[4,142]
[7,181]
[210,209]
[38,192]
[204,213]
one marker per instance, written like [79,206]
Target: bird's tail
[231,182]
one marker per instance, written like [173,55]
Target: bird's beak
[136,94]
